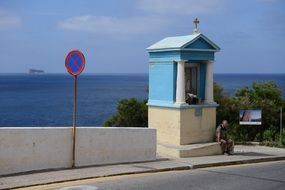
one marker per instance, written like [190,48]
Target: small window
[191,76]
[191,83]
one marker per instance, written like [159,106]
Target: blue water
[47,100]
[232,82]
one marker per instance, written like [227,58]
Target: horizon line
[124,73]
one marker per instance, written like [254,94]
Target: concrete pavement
[244,154]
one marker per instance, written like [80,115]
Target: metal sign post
[74,119]
[74,63]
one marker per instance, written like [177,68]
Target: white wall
[114,145]
[34,148]
[25,149]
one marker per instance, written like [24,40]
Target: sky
[114,34]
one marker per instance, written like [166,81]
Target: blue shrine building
[180,104]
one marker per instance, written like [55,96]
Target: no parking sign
[74,63]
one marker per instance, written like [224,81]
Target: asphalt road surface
[270,175]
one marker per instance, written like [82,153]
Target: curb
[238,162]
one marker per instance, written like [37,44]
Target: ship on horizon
[36,71]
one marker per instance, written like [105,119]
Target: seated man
[227,145]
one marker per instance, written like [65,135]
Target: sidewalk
[243,155]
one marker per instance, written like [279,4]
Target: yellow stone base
[184,132]
[183,126]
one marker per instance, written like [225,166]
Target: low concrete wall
[114,145]
[34,148]
[25,149]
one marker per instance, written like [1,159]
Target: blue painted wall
[162,81]
[170,56]
[200,44]
[197,55]
[166,56]
[202,80]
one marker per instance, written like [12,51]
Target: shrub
[130,113]
[265,96]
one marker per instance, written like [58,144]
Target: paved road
[253,176]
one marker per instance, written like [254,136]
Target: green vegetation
[266,96]
[130,113]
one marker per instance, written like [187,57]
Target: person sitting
[227,144]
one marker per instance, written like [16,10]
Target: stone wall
[39,148]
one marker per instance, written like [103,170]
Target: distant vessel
[36,71]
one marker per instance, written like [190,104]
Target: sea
[28,100]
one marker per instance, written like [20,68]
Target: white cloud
[180,7]
[8,21]
[114,25]
[157,15]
